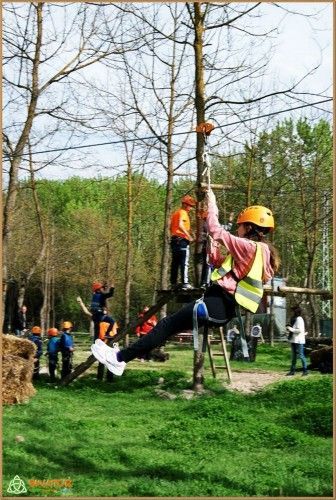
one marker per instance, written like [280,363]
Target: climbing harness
[200,311]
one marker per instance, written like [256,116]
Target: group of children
[58,342]
[62,342]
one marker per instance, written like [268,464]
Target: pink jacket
[241,249]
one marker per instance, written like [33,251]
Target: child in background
[66,345]
[145,328]
[52,352]
[35,337]
[98,307]
[104,327]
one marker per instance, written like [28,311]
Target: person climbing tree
[239,279]
[98,307]
[181,237]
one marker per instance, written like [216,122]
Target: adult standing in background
[297,339]
[20,324]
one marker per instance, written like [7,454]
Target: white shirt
[298,331]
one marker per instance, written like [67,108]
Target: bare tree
[38,56]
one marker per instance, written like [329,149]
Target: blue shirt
[66,342]
[53,345]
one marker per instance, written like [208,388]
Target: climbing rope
[205,129]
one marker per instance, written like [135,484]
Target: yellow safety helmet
[37,330]
[258,215]
[67,325]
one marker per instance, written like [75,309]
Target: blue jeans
[298,352]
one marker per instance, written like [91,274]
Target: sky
[300,44]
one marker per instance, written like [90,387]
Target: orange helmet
[37,330]
[52,332]
[67,325]
[257,214]
[97,286]
[189,200]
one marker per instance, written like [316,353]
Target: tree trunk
[45,309]
[198,22]
[200,116]
[129,248]
[198,377]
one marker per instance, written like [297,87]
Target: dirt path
[249,382]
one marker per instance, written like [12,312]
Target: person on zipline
[251,261]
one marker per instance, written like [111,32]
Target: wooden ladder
[223,354]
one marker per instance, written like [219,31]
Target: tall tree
[33,47]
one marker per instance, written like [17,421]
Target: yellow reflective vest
[249,289]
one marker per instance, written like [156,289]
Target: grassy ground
[121,439]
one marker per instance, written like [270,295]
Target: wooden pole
[281,291]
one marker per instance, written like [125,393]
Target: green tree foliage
[288,169]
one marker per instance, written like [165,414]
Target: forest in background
[85,229]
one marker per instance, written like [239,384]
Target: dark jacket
[20,321]
[38,342]
[98,301]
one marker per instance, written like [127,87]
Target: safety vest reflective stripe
[249,289]
[223,270]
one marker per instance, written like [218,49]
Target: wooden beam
[282,291]
[216,186]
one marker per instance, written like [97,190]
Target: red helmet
[36,330]
[97,286]
[189,200]
[52,332]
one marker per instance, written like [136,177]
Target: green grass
[121,439]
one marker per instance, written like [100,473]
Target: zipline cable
[167,135]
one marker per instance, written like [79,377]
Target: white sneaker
[112,364]
[98,353]
[108,356]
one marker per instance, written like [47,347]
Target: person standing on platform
[181,237]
